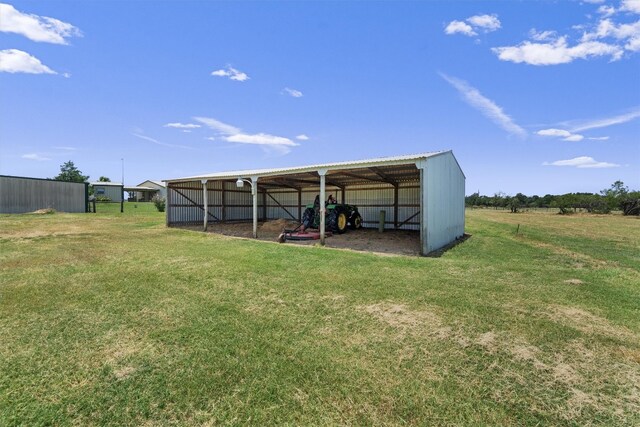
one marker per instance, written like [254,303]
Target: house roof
[106,184]
[159,183]
[403,167]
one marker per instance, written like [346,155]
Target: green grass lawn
[112,318]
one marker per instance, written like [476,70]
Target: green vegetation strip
[112,318]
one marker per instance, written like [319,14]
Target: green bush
[103,199]
[159,202]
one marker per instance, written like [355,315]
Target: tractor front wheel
[356,221]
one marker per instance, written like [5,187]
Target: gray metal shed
[422,192]
[112,190]
[23,194]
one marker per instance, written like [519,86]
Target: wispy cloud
[293,92]
[484,23]
[155,141]
[182,125]
[66,148]
[34,27]
[218,126]
[582,162]
[17,61]
[232,73]
[604,122]
[564,134]
[35,156]
[302,137]
[271,143]
[487,107]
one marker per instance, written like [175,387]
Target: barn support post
[299,205]
[205,202]
[323,209]
[264,204]
[254,193]
[395,206]
[342,198]
[168,206]
[224,212]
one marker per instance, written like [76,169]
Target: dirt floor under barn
[400,242]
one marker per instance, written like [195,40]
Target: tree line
[616,197]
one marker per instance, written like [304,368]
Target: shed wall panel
[20,195]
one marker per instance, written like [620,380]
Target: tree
[69,172]
[104,179]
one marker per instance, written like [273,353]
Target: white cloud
[564,134]
[542,35]
[66,148]
[218,126]
[554,132]
[574,137]
[155,141]
[34,27]
[606,122]
[606,11]
[594,1]
[17,61]
[599,138]
[557,52]
[302,137]
[35,156]
[487,107]
[582,162]
[293,92]
[271,143]
[630,6]
[486,22]
[623,33]
[232,73]
[460,27]
[182,125]
[260,139]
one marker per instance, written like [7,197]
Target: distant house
[145,191]
[113,190]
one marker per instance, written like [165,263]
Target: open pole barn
[422,192]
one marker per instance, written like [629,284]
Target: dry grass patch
[400,317]
[589,323]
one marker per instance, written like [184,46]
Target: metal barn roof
[384,169]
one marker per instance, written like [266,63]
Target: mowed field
[113,319]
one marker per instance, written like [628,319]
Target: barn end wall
[21,195]
[443,200]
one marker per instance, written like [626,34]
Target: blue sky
[532,96]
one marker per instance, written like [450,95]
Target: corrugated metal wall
[443,216]
[20,195]
[185,201]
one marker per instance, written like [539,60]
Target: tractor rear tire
[356,221]
[308,217]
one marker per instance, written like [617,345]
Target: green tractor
[339,216]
